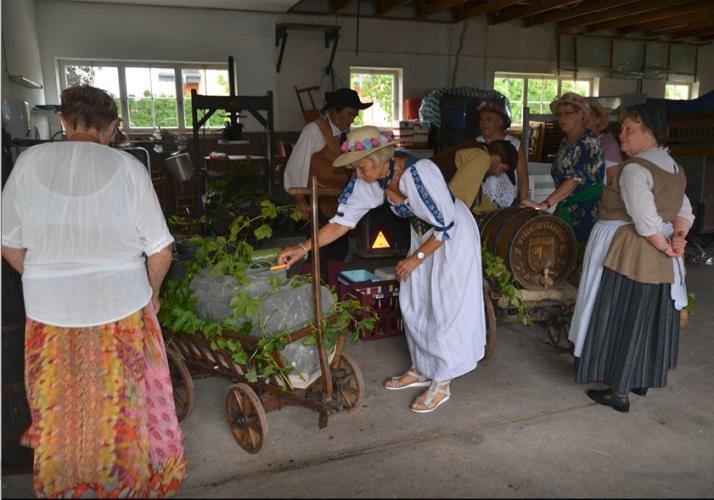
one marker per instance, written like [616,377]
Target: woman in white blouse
[494,117]
[441,291]
[82,224]
[625,328]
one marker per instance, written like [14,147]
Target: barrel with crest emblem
[539,248]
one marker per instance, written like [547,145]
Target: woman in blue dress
[577,170]
[441,294]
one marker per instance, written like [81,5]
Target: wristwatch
[420,255]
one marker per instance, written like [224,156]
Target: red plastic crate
[383,297]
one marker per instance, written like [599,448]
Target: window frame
[398,74]
[592,81]
[122,64]
[688,85]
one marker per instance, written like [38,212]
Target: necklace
[83,136]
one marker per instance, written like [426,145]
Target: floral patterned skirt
[103,415]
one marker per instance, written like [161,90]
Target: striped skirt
[633,335]
[103,416]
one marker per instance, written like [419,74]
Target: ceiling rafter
[385,6]
[338,5]
[436,6]
[484,8]
[654,15]
[636,9]
[582,9]
[691,31]
[671,21]
[706,38]
[527,10]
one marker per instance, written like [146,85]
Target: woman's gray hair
[382,155]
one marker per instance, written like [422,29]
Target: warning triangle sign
[381,241]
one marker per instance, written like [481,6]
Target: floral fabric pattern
[103,415]
[581,161]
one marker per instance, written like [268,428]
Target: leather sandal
[427,398]
[396,384]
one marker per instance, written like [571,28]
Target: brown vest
[630,254]
[321,167]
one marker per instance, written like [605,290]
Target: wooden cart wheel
[490,325]
[347,384]
[246,417]
[182,382]
[558,335]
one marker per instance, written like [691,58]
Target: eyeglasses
[564,113]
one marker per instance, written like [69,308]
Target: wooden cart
[340,385]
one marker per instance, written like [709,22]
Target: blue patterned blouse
[581,161]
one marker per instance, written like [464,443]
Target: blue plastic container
[357,276]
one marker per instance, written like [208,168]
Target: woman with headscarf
[577,170]
[440,294]
[625,328]
[82,224]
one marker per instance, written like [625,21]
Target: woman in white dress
[441,287]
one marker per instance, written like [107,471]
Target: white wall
[425,51]
[19,33]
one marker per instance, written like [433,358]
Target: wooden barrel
[16,417]
[538,248]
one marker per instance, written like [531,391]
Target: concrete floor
[517,426]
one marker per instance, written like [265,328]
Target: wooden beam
[437,6]
[527,10]
[691,31]
[635,9]
[484,8]
[706,38]
[384,6]
[338,5]
[674,20]
[583,8]
[654,15]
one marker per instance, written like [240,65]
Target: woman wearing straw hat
[578,169]
[441,291]
[625,327]
[598,122]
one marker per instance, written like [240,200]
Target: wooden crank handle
[320,191]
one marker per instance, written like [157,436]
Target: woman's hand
[405,267]
[532,204]
[678,242]
[290,255]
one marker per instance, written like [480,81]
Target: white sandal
[392,383]
[436,388]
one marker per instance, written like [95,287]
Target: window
[536,91]
[677,91]
[382,86]
[149,94]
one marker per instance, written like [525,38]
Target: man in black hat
[317,147]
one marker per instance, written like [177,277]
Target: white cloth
[442,300]
[499,188]
[311,141]
[638,180]
[636,189]
[86,214]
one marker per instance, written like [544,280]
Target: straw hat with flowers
[361,142]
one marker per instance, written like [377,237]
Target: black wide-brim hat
[345,98]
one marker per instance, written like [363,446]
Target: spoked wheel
[182,382]
[347,384]
[558,334]
[246,417]
[490,325]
